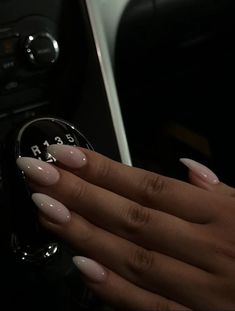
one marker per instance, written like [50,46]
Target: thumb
[202,177]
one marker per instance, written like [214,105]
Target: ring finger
[146,269]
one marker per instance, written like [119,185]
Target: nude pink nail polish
[91,269]
[201,171]
[38,171]
[68,155]
[52,208]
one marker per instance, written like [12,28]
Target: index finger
[146,188]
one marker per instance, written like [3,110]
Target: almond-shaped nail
[38,171]
[68,155]
[90,269]
[52,208]
[201,171]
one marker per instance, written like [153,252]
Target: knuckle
[102,169]
[226,251]
[78,191]
[136,217]
[152,185]
[162,305]
[141,260]
[87,234]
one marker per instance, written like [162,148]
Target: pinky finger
[202,177]
[120,293]
[219,188]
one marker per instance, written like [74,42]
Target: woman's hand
[162,244]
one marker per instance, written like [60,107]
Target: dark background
[175,75]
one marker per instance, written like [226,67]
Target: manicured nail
[68,155]
[201,171]
[52,208]
[91,269]
[38,171]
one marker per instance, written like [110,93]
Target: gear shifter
[29,241]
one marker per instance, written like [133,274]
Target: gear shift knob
[29,241]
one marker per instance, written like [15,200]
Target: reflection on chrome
[31,253]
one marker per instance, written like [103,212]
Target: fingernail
[38,171]
[201,171]
[90,269]
[68,155]
[52,208]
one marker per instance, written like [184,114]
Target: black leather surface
[175,74]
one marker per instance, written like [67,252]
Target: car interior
[144,82]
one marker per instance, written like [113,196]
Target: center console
[50,69]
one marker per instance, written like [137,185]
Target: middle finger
[146,227]
[150,270]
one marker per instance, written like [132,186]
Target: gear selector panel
[34,137]
[29,241]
